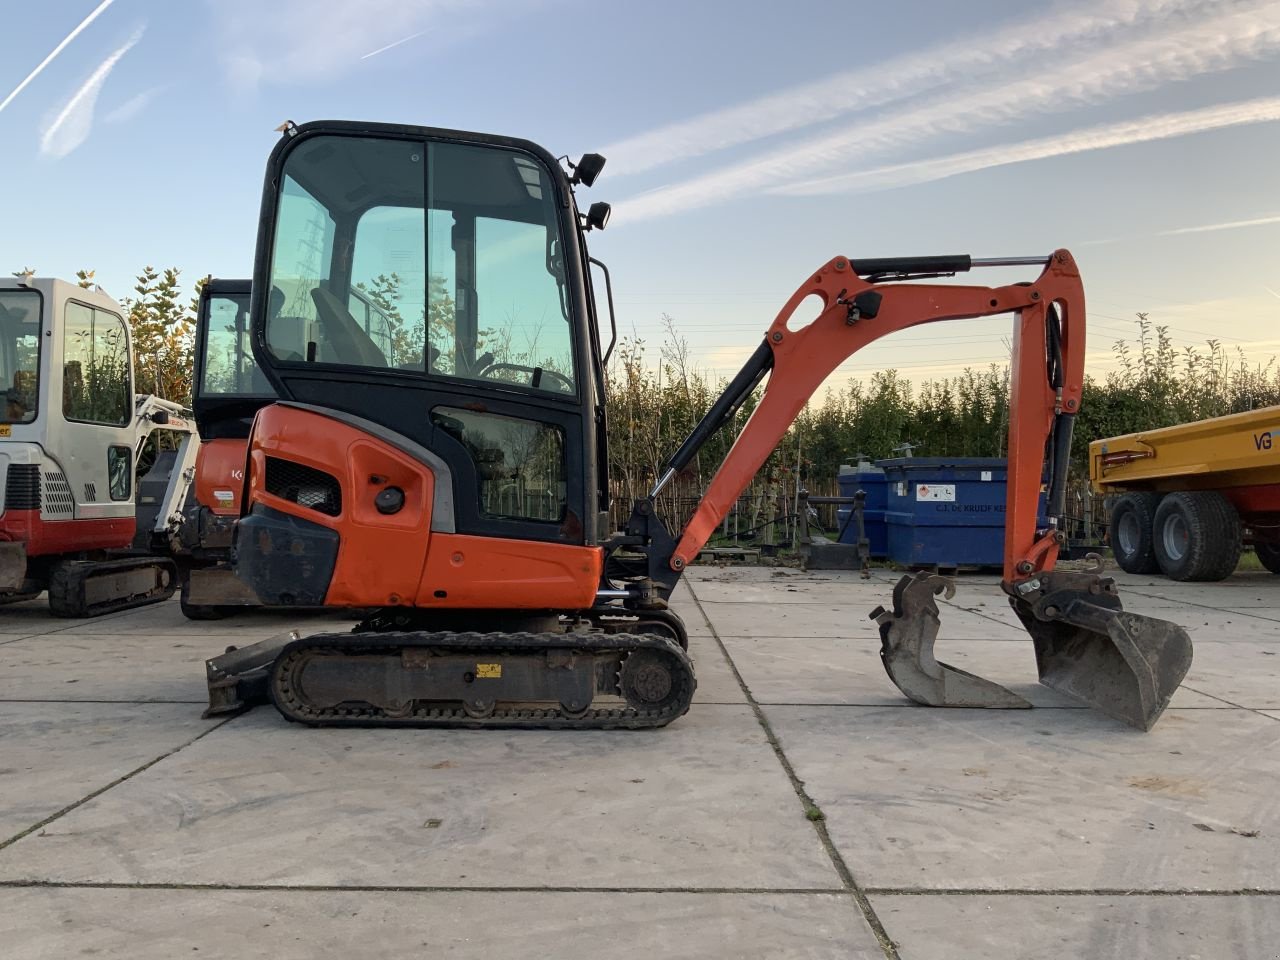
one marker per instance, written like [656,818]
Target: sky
[747,144]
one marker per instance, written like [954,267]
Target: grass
[1249,563]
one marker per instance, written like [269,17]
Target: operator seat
[349,342]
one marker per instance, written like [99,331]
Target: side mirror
[160,417]
[598,215]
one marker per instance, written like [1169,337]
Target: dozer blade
[1123,664]
[907,637]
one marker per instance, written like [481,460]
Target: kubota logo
[1262,441]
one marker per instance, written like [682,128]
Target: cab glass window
[19,354]
[95,367]
[119,472]
[228,364]
[429,258]
[299,268]
[520,464]
[387,298]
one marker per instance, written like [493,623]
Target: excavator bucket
[1123,664]
[1126,665]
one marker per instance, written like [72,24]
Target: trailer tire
[1131,532]
[1197,536]
[1268,555]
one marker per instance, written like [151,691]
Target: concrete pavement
[802,808]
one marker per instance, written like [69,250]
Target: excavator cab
[75,517]
[422,307]
[430,288]
[228,389]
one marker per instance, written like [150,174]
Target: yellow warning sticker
[488,671]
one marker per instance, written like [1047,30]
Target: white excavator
[75,520]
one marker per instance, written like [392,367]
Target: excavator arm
[152,413]
[1128,666]
[855,313]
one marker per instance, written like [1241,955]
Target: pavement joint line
[1207,606]
[986,616]
[869,916]
[907,705]
[407,888]
[139,703]
[20,636]
[5,844]
[1230,704]
[106,617]
[1070,892]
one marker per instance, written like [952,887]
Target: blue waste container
[946,511]
[870,479]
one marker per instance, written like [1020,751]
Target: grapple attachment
[1123,664]
[907,636]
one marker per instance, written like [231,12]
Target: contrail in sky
[71,126]
[880,83]
[412,36]
[56,50]
[1213,45]
[1154,127]
[1229,225]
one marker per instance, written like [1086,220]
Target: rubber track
[68,581]
[496,646]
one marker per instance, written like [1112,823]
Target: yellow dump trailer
[1184,499]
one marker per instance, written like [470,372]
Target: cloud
[132,107]
[1213,44]
[54,53]
[1154,127]
[880,83]
[70,126]
[304,41]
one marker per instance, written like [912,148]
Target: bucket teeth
[907,636]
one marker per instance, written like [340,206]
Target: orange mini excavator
[424,309]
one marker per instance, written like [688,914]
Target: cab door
[94,441]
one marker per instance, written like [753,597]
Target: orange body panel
[805,357]
[220,475]
[396,560]
[473,572]
[381,556]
